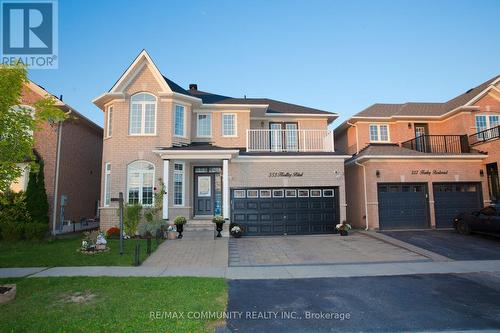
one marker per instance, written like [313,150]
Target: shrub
[13,208]
[37,203]
[113,232]
[12,231]
[180,220]
[35,230]
[131,218]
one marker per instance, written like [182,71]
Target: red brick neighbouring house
[72,154]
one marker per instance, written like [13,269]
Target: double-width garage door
[451,199]
[285,211]
[403,206]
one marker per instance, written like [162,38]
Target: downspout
[364,175]
[56,180]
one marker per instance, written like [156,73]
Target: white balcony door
[291,137]
[276,137]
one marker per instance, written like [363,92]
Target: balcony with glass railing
[289,140]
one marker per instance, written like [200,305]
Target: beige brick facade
[121,148]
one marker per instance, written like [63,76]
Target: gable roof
[424,109]
[273,106]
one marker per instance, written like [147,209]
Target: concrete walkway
[269,272]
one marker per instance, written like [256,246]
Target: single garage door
[285,211]
[451,199]
[403,206]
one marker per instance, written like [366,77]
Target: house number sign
[429,172]
[285,174]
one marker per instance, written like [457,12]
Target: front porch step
[199,225]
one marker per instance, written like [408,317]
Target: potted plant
[343,228]
[179,222]
[236,231]
[171,232]
[219,222]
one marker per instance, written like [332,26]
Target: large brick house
[267,165]
[71,152]
[416,165]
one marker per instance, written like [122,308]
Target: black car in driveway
[487,220]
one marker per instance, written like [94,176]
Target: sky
[339,56]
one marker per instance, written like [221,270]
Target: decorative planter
[172,235]
[7,292]
[180,229]
[100,247]
[218,227]
[343,232]
[236,234]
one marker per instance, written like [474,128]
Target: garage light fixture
[409,125]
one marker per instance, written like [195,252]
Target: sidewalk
[268,272]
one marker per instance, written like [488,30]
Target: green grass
[117,304]
[62,252]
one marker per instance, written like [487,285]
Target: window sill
[229,136]
[141,135]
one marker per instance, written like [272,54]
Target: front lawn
[62,252]
[111,304]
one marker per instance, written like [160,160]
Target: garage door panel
[402,206]
[287,211]
[265,205]
[450,199]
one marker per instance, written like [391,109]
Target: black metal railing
[485,135]
[457,144]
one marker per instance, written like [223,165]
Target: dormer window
[379,133]
[142,114]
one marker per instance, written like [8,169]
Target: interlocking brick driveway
[317,249]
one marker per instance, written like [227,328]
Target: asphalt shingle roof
[423,109]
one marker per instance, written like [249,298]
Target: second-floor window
[109,128]
[379,133]
[203,125]
[228,124]
[179,120]
[484,122]
[142,114]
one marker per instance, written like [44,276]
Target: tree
[17,123]
[36,197]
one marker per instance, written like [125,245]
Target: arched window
[142,114]
[140,182]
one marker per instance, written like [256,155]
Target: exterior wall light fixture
[377,173]
[481,173]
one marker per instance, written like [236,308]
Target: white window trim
[143,118]
[235,125]
[198,135]
[378,132]
[142,178]
[184,121]
[109,122]
[487,117]
[183,184]
[106,175]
